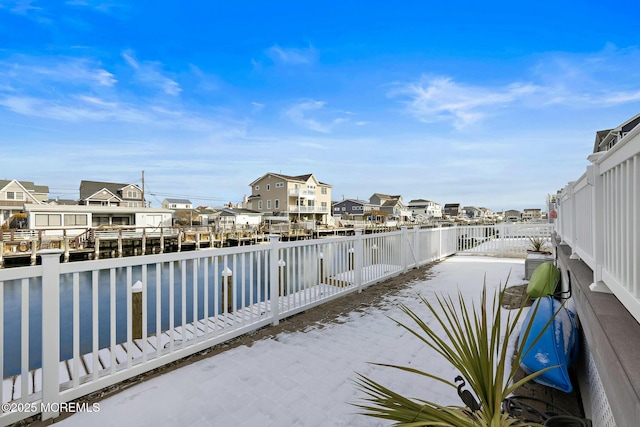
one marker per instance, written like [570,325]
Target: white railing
[598,218]
[73,328]
[503,239]
[308,209]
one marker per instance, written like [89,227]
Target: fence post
[51,332]
[574,214]
[274,283]
[597,231]
[404,249]
[358,246]
[416,245]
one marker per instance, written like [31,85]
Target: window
[71,220]
[15,195]
[132,204]
[48,220]
[277,204]
[356,208]
[132,194]
[257,187]
[344,209]
[279,184]
[323,190]
[268,187]
[268,204]
[259,205]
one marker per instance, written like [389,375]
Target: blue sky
[492,104]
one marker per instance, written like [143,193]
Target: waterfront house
[512,215]
[238,219]
[298,198]
[472,212]
[392,206]
[177,204]
[99,193]
[422,209]
[532,214]
[452,210]
[14,195]
[56,218]
[353,209]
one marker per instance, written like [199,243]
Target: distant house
[512,215]
[425,209]
[177,204]
[238,218]
[81,217]
[392,206]
[472,212]
[300,197]
[352,209]
[15,194]
[97,193]
[531,214]
[452,210]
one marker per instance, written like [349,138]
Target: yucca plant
[537,244]
[475,343]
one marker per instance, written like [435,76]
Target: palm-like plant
[474,344]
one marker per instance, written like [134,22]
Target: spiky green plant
[537,243]
[475,342]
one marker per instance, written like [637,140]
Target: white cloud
[292,55]
[300,115]
[34,72]
[433,99]
[150,73]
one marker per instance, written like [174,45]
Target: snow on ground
[306,378]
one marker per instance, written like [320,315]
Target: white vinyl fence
[503,239]
[598,218]
[70,329]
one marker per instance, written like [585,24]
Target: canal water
[251,285]
[255,289]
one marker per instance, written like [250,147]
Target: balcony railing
[598,218]
[308,209]
[302,192]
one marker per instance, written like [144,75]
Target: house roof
[386,196]
[89,188]
[237,211]
[179,201]
[610,136]
[27,185]
[298,178]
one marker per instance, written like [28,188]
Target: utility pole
[144,203]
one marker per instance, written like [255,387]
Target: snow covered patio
[305,377]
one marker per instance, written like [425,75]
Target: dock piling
[136,310]
[227,275]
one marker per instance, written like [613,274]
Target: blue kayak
[557,345]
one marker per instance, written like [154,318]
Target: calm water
[254,291]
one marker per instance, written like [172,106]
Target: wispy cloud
[300,115]
[150,73]
[292,55]
[36,73]
[21,7]
[572,80]
[440,98]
